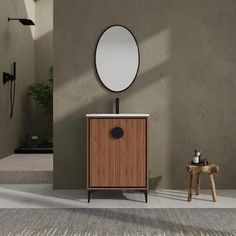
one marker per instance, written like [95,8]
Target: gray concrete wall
[43,56]
[31,48]
[186,82]
[16,44]
[44,37]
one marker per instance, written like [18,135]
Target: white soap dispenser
[196,157]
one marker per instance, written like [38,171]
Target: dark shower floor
[33,150]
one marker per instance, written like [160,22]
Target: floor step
[26,177]
[26,169]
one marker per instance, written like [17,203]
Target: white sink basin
[117,115]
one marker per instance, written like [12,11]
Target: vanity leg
[89,195]
[146,195]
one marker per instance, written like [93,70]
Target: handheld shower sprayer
[11,77]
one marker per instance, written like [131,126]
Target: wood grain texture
[190,188]
[102,153]
[88,151]
[213,187]
[198,186]
[117,163]
[210,169]
[131,153]
[197,171]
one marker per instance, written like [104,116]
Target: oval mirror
[117,58]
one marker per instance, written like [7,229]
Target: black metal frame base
[143,191]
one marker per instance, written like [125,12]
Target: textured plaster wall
[31,48]
[186,83]
[44,37]
[16,44]
[43,56]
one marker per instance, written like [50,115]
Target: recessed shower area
[26,91]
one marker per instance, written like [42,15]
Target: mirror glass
[117,58]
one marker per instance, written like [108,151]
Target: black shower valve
[7,77]
[11,77]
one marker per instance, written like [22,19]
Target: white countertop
[117,115]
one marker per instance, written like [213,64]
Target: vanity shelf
[117,152]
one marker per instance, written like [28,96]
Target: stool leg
[198,183]
[213,187]
[190,188]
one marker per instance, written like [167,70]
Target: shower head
[23,21]
[26,22]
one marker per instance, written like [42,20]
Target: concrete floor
[37,168]
[26,169]
[44,196]
[27,162]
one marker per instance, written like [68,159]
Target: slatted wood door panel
[131,153]
[102,158]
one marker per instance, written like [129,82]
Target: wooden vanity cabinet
[117,153]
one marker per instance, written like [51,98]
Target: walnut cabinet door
[117,162]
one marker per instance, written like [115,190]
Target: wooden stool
[196,171]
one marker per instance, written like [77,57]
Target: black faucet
[117,105]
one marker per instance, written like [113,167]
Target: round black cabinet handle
[117,132]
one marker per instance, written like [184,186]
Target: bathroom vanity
[117,152]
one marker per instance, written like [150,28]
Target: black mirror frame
[100,80]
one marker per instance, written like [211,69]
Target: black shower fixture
[117,106]
[23,21]
[11,78]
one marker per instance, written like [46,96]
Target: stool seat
[194,170]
